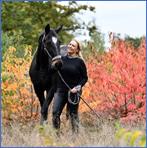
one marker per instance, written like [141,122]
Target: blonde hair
[79,53]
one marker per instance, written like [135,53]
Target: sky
[124,17]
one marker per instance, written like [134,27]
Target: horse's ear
[47,29]
[59,29]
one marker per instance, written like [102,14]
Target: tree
[31,17]
[95,45]
[98,41]
[133,41]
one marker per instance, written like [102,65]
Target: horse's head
[51,45]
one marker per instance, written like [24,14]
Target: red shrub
[117,84]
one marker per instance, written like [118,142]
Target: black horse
[42,72]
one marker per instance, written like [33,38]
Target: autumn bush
[117,83]
[18,99]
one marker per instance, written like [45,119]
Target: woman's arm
[83,71]
[84,77]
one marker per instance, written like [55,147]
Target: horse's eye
[47,40]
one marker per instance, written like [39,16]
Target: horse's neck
[42,58]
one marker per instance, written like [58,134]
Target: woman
[74,73]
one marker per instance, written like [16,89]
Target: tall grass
[92,132]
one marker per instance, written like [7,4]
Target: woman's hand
[76,89]
[73,90]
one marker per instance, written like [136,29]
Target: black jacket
[73,71]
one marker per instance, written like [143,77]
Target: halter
[52,58]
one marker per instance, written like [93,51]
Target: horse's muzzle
[57,62]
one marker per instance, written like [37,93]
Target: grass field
[92,132]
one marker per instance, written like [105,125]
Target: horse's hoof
[43,122]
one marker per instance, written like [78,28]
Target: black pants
[60,100]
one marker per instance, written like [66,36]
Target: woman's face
[72,47]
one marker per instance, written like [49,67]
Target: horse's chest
[44,76]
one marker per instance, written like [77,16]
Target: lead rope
[78,94]
[76,99]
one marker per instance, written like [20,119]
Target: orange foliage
[18,102]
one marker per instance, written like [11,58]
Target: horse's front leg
[40,94]
[44,109]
